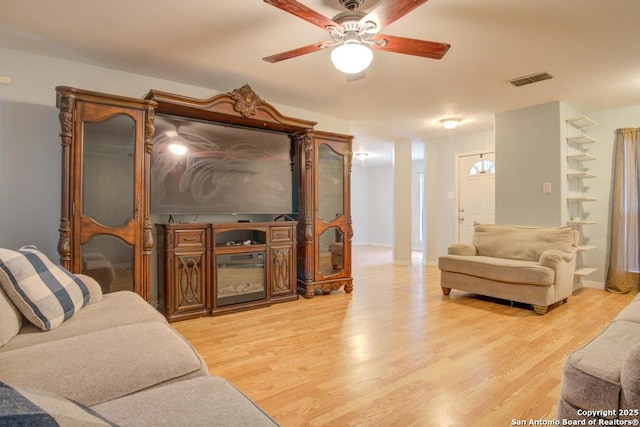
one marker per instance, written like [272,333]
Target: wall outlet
[546,187]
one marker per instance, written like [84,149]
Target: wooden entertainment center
[113,135]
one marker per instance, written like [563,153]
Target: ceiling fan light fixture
[351,57]
[450,123]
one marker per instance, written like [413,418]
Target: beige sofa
[601,380]
[531,265]
[115,359]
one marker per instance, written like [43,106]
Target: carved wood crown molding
[241,106]
[246,101]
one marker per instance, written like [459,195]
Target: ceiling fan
[354,33]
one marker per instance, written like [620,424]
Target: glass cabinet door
[109,260]
[330,211]
[330,183]
[108,170]
[331,251]
[108,201]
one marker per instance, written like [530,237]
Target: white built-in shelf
[581,139]
[585,271]
[581,122]
[581,157]
[577,152]
[580,174]
[581,199]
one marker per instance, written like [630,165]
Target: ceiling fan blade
[389,11]
[295,52]
[304,12]
[426,49]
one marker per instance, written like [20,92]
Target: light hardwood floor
[396,352]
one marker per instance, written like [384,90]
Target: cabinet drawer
[281,234]
[189,238]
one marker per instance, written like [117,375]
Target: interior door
[476,193]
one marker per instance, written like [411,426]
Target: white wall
[417,168]
[528,153]
[380,207]
[360,203]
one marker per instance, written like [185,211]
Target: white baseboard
[380,245]
[592,284]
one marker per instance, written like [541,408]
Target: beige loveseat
[110,359]
[601,380]
[531,265]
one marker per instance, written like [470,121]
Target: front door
[476,193]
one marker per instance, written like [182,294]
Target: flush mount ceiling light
[450,123]
[361,155]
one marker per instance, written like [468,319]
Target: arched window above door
[482,166]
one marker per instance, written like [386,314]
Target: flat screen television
[200,167]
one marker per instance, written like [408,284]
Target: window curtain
[623,273]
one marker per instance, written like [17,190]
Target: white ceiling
[591,47]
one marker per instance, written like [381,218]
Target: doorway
[476,192]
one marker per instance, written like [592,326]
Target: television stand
[213,269]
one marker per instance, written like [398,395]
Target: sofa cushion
[45,293]
[498,269]
[631,312]
[202,401]
[116,309]
[521,242]
[592,374]
[462,249]
[630,379]
[10,319]
[26,407]
[104,365]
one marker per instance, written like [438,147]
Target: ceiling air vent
[533,78]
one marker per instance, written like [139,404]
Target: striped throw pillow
[45,293]
[21,406]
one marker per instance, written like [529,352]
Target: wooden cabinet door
[324,243]
[184,270]
[281,271]
[282,262]
[105,223]
[189,282]
[107,202]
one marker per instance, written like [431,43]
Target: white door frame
[457,187]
